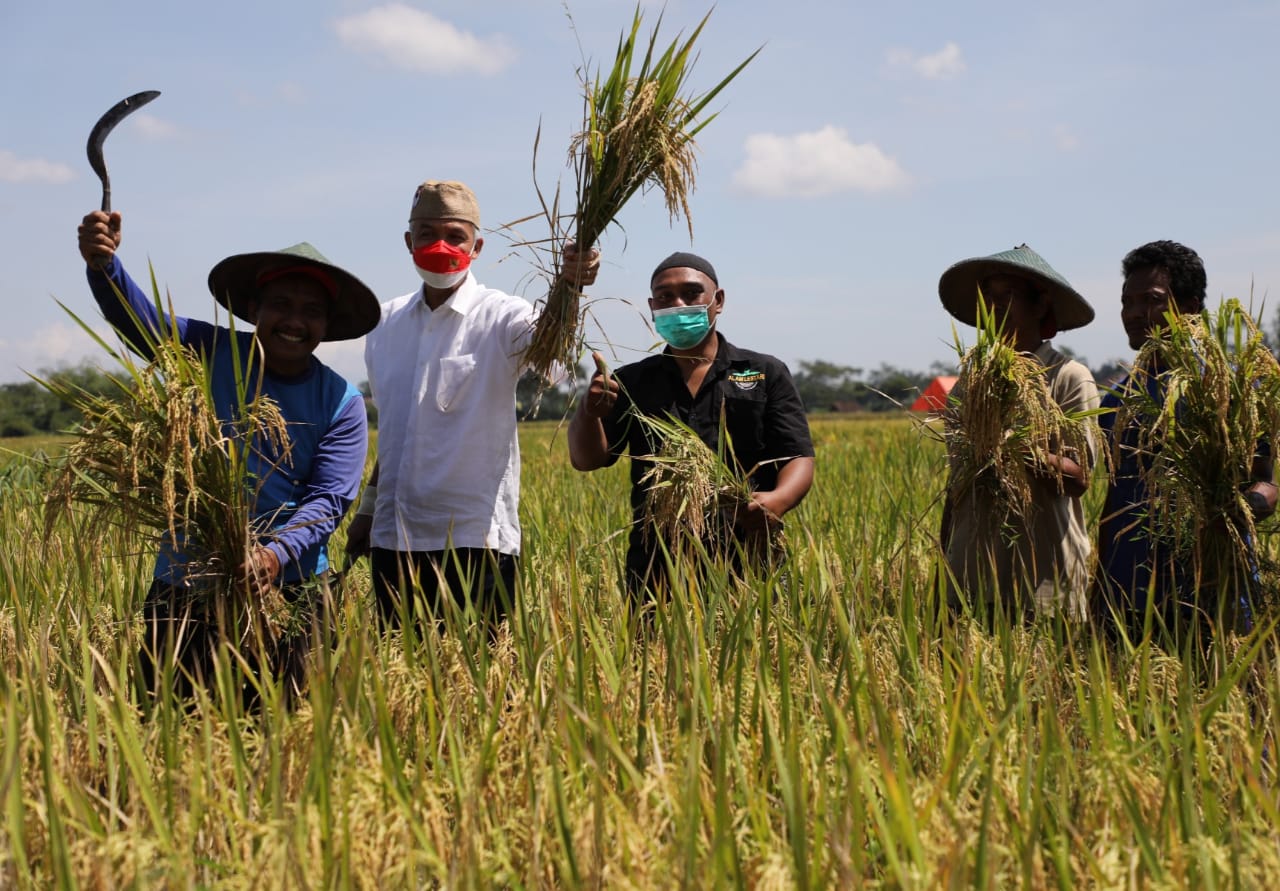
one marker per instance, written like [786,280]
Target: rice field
[823,727]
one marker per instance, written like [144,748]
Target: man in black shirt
[699,376]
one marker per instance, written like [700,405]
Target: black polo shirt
[763,415]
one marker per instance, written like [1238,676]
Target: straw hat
[958,286]
[237,280]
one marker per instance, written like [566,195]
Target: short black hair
[1187,280]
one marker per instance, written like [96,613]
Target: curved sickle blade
[98,135]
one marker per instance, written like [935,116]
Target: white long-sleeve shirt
[444,382]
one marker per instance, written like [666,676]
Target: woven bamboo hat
[236,281]
[958,286]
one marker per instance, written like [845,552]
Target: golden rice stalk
[154,459]
[637,132]
[1204,396]
[1002,421]
[689,488]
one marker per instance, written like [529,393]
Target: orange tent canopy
[934,397]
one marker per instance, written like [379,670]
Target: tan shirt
[1044,566]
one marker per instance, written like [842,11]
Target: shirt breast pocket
[456,374]
[744,422]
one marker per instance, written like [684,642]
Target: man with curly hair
[1136,571]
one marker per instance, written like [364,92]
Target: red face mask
[441,258]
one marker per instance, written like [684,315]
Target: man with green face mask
[708,384]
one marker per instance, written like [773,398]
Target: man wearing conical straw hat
[1143,566]
[296,299]
[1035,558]
[442,502]
[710,385]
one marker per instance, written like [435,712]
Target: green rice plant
[1204,396]
[638,130]
[155,460]
[1002,422]
[812,728]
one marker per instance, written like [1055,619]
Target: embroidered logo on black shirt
[746,379]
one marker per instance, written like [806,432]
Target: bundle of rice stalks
[1002,422]
[153,458]
[637,132]
[1203,396]
[691,493]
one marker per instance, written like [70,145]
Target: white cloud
[53,346]
[808,165]
[152,127]
[945,64]
[32,170]
[418,41]
[1065,139]
[291,92]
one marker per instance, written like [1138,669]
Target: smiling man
[710,385]
[439,517]
[296,299]
[1137,567]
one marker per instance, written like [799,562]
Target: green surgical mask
[683,327]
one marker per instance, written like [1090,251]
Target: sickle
[98,135]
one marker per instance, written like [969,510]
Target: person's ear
[476,248]
[408,241]
[716,306]
[251,309]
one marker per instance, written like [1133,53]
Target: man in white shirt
[442,501]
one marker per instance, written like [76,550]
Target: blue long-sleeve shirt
[300,500]
[1133,564]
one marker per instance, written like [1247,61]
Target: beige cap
[445,200]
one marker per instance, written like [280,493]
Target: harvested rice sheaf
[1003,422]
[689,489]
[638,132]
[154,459]
[1204,396]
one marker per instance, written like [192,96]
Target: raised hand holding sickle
[98,135]
[108,232]
[261,570]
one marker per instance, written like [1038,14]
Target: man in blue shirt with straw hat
[296,299]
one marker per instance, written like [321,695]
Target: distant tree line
[27,408]
[826,386]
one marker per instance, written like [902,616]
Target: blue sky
[868,147]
